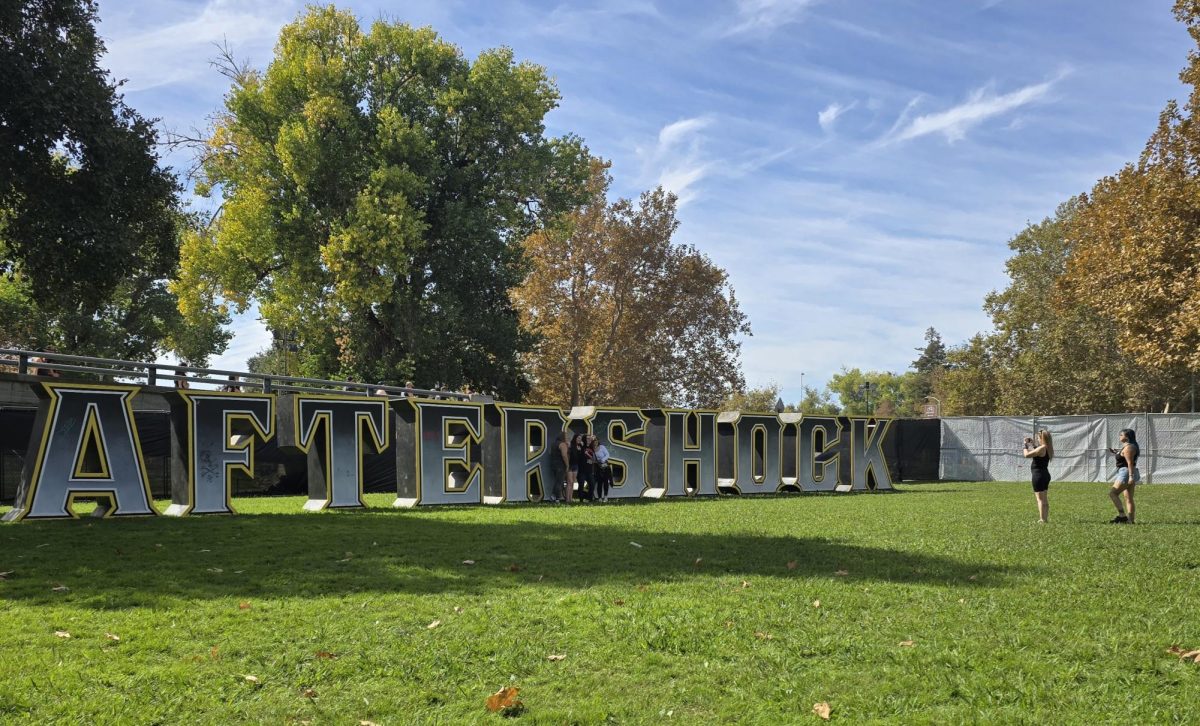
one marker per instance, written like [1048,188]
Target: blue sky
[857,166]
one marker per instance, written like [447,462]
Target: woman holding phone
[1039,466]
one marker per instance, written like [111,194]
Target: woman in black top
[1039,466]
[1128,476]
[573,472]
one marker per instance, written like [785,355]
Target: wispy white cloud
[829,115]
[757,16]
[676,162]
[178,50]
[981,105]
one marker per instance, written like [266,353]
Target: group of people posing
[1041,452]
[579,463]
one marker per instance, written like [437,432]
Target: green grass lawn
[1010,621]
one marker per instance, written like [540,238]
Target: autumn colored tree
[968,387]
[624,315]
[375,188]
[1136,255]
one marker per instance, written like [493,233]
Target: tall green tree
[968,387]
[89,220]
[928,365]
[875,393]
[375,188]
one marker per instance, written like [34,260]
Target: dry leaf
[214,653]
[252,679]
[1190,654]
[243,606]
[618,601]
[308,693]
[514,567]
[699,561]
[157,545]
[791,565]
[728,624]
[906,644]
[816,603]
[326,655]
[367,723]
[745,584]
[505,701]
[973,577]
[1197,659]
[555,658]
[961,600]
[841,573]
[457,609]
[60,588]
[1175,650]
[62,633]
[764,636]
[635,544]
[215,570]
[821,709]
[468,562]
[4,575]
[114,638]
[433,625]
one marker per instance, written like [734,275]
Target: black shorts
[1041,481]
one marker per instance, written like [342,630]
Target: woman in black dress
[1040,456]
[576,454]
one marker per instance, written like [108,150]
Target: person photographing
[1040,454]
[1128,476]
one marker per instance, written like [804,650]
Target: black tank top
[1122,464]
[1039,463]
[576,456]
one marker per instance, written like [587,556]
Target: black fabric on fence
[914,449]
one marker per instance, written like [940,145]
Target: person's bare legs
[1114,493]
[1043,505]
[570,485]
[1129,502]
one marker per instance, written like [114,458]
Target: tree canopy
[625,315]
[89,220]
[375,188]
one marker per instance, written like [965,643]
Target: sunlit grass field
[942,603]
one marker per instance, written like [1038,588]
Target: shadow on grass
[111,564]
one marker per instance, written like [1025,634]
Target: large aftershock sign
[85,445]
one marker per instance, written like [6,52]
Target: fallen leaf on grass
[468,562]
[215,570]
[367,723]
[252,679]
[308,693]
[816,603]
[60,588]
[326,655]
[433,625]
[555,658]
[514,567]
[243,606]
[841,573]
[906,644]
[821,709]
[699,561]
[618,602]
[215,653]
[62,634]
[4,575]
[1175,650]
[961,600]
[728,624]
[635,544]
[505,701]
[764,636]
[457,609]
[973,577]
[1190,655]
[113,638]
[791,565]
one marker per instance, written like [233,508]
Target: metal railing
[153,374]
